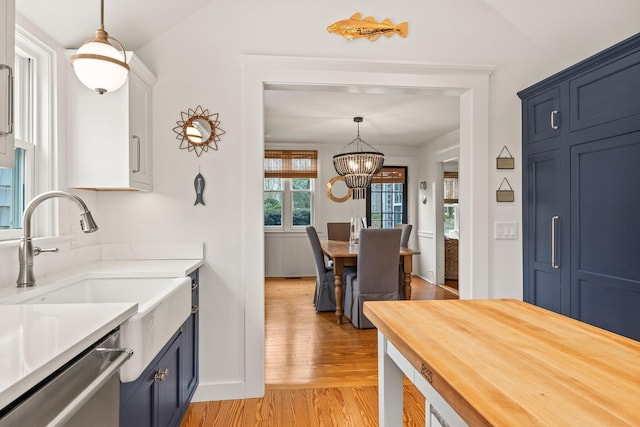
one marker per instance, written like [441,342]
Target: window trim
[42,147]
[287,172]
[287,207]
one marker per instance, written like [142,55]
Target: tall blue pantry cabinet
[581,190]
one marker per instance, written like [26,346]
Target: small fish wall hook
[198,184]
[369,28]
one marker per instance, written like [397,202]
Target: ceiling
[325,115]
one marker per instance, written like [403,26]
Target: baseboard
[222,391]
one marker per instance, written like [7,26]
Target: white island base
[391,367]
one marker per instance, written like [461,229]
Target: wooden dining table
[345,255]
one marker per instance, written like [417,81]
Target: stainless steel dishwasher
[85,392]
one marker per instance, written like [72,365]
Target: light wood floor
[316,372]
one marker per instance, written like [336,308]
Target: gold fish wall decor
[369,28]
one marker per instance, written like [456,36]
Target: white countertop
[36,340]
[39,339]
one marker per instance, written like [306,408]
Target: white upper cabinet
[109,136]
[7,59]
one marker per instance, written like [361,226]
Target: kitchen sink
[163,306]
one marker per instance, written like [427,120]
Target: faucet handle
[37,251]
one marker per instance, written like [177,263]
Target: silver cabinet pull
[194,286]
[9,100]
[194,309]
[161,375]
[137,139]
[554,224]
[554,114]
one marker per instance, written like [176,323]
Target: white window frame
[39,138]
[287,206]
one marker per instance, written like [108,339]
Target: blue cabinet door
[605,230]
[137,401]
[542,116]
[169,404]
[545,230]
[605,101]
[155,399]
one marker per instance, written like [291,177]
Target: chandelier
[100,64]
[358,167]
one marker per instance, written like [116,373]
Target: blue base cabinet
[581,168]
[160,397]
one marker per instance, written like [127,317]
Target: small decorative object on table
[357,224]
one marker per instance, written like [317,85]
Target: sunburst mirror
[198,130]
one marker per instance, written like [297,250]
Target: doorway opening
[471,84]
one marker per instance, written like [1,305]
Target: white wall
[430,217]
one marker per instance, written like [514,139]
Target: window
[451,221]
[33,126]
[288,188]
[14,182]
[387,198]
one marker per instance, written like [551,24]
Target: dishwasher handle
[92,388]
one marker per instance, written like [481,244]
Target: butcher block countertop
[509,363]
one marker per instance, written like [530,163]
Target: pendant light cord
[358,140]
[102,15]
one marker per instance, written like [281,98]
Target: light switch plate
[506,230]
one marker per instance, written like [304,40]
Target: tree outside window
[273,196]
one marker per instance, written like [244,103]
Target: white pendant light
[100,64]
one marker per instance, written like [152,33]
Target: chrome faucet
[26,251]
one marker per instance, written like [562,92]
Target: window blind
[390,175]
[451,187]
[290,163]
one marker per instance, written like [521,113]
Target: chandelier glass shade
[359,166]
[101,62]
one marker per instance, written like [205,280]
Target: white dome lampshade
[99,65]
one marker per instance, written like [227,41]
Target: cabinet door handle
[554,225]
[9,131]
[161,375]
[194,286]
[554,114]
[194,309]
[137,139]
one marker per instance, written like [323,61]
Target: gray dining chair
[376,278]
[406,232]
[324,297]
[338,231]
[404,242]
